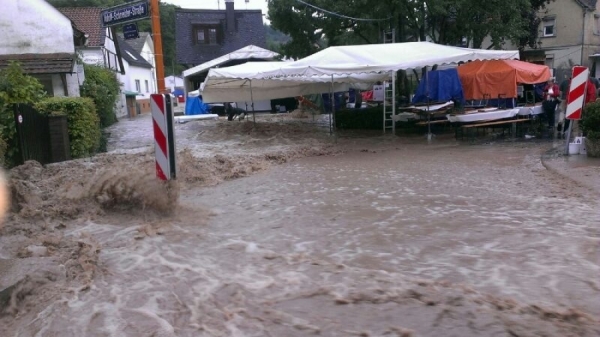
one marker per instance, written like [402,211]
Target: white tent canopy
[248,52]
[225,84]
[341,67]
[384,58]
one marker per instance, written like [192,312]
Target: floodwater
[394,237]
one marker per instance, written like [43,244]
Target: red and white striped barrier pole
[576,98]
[164,136]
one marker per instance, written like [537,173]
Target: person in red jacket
[551,94]
[590,94]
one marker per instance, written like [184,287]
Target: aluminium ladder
[389,88]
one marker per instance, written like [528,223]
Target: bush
[15,87]
[103,87]
[590,122]
[84,124]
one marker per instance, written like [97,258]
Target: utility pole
[158,50]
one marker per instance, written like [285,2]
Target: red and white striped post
[164,136]
[576,98]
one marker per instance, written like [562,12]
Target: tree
[443,21]
[531,24]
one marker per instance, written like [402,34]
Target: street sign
[577,91]
[130,31]
[125,13]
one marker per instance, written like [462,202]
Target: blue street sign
[125,13]
[130,31]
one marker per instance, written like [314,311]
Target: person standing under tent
[551,94]
[564,91]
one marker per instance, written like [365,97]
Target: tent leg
[252,104]
[394,102]
[429,134]
[332,106]
[331,110]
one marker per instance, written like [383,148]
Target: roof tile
[41,63]
[87,20]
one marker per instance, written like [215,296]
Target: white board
[188,118]
[378,93]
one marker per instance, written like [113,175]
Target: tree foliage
[15,88]
[103,87]
[481,24]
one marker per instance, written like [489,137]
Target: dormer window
[204,34]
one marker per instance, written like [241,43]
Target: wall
[141,74]
[148,54]
[128,81]
[26,25]
[568,24]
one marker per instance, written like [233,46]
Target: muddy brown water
[396,237]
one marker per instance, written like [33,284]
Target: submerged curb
[557,151]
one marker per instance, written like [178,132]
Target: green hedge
[364,119]
[103,87]
[84,124]
[590,122]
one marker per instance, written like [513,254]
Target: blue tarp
[339,97]
[195,106]
[444,85]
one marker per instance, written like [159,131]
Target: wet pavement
[395,237]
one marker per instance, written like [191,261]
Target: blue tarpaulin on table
[195,106]
[440,86]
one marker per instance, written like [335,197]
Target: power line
[340,15]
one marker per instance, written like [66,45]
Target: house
[203,35]
[138,80]
[51,58]
[569,34]
[100,49]
[144,45]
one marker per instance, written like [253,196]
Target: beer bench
[492,124]
[440,121]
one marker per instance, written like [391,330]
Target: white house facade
[138,81]
[49,57]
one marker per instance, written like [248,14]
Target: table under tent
[336,69]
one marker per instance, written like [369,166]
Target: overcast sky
[214,4]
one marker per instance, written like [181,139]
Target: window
[597,24]
[549,27]
[147,89]
[138,88]
[206,35]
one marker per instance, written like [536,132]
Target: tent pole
[252,104]
[429,134]
[394,102]
[332,105]
[330,110]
